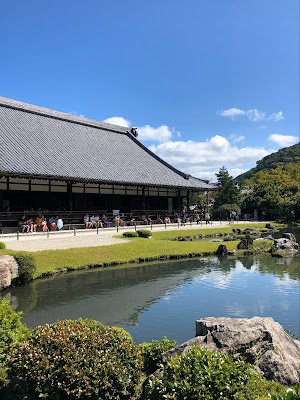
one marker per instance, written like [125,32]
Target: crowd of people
[94,221]
[42,223]
[30,225]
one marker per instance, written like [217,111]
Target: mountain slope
[283,156]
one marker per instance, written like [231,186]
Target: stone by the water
[261,342]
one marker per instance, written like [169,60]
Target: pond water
[164,299]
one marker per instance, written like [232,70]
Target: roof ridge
[51,113]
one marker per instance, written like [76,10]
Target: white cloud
[232,112]
[120,121]
[252,114]
[276,116]
[236,139]
[283,140]
[161,134]
[202,159]
[255,115]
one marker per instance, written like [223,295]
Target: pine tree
[228,192]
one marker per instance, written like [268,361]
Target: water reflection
[166,298]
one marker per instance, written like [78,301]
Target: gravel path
[83,238]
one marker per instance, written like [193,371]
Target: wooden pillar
[70,197]
[188,200]
[143,199]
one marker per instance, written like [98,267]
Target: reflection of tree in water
[280,266]
[227,263]
[247,261]
[29,297]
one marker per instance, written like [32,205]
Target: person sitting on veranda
[132,221]
[52,224]
[87,222]
[119,221]
[158,219]
[144,219]
[39,220]
[167,219]
[105,222]
[31,226]
[98,223]
[23,224]
[44,224]
[93,222]
[59,223]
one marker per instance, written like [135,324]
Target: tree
[228,192]
[227,197]
[276,191]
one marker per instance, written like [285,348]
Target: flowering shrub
[152,353]
[12,331]
[76,359]
[199,374]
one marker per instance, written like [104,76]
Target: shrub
[199,374]
[130,234]
[145,233]
[76,359]
[2,246]
[27,266]
[224,210]
[290,394]
[12,332]
[152,352]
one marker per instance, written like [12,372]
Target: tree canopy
[282,157]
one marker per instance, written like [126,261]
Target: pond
[164,299]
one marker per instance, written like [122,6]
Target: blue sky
[207,83]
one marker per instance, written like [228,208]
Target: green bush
[2,246]
[290,394]
[199,374]
[130,234]
[12,332]
[27,266]
[223,211]
[145,233]
[152,352]
[76,359]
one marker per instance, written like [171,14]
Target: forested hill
[283,156]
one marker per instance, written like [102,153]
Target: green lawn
[136,249]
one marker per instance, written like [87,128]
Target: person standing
[207,218]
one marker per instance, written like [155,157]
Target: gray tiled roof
[39,142]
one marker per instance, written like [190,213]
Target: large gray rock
[260,341]
[8,271]
[286,246]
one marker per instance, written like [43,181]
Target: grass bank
[161,246]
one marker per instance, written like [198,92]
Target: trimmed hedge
[76,359]
[27,266]
[145,233]
[130,234]
[153,351]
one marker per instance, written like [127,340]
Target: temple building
[54,160]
